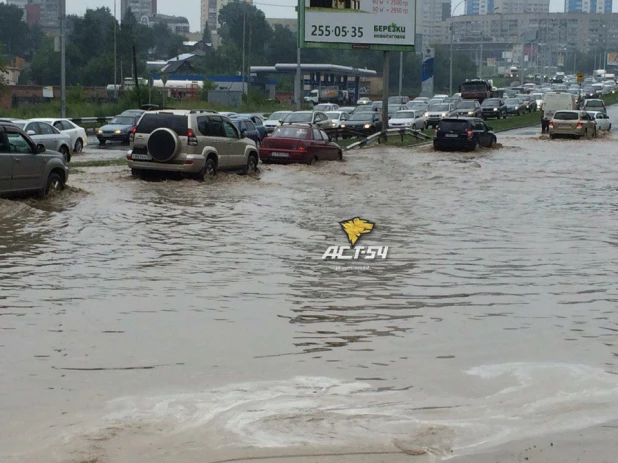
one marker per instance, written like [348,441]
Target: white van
[558,102]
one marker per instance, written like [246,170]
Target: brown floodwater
[141,320]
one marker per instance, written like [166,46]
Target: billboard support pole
[298,87]
[400,73]
[386,78]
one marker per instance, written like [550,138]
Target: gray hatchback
[28,167]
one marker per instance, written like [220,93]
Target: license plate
[141,157]
[280,155]
[451,135]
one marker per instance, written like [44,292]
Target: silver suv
[26,166]
[192,142]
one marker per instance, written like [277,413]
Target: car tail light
[192,139]
[189,161]
[129,157]
[469,133]
[579,125]
[551,124]
[132,135]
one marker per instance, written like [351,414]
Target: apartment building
[140,8]
[210,12]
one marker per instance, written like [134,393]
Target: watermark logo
[354,229]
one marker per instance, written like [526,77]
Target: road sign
[387,25]
[427,72]
[580,77]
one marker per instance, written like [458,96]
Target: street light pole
[400,72]
[63,67]
[115,58]
[450,87]
[243,46]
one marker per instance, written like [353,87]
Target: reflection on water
[507,257]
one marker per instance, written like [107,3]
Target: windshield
[453,125]
[123,120]
[474,88]
[594,103]
[362,116]
[404,115]
[418,104]
[277,116]
[333,115]
[564,116]
[299,117]
[512,101]
[491,103]
[21,125]
[290,132]
[439,107]
[466,105]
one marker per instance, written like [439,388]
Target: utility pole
[450,74]
[385,85]
[481,59]
[115,59]
[244,17]
[400,73]
[63,70]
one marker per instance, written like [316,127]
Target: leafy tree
[282,46]
[14,32]
[45,66]
[236,16]
[3,82]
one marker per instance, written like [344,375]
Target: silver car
[49,136]
[26,166]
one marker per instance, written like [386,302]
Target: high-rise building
[46,13]
[431,16]
[508,6]
[140,8]
[588,6]
[210,13]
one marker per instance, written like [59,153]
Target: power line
[274,4]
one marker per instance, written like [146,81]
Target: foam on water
[317,411]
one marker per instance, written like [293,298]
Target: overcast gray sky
[191,8]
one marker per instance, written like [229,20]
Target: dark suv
[494,107]
[463,133]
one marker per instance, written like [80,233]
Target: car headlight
[470,113]
[495,109]
[367,126]
[516,107]
[117,131]
[99,131]
[443,114]
[342,125]
[408,124]
[426,114]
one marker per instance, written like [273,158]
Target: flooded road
[177,321]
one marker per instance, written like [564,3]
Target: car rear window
[150,122]
[594,103]
[291,132]
[453,125]
[563,116]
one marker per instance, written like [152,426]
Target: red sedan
[299,143]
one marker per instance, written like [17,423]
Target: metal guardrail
[376,136]
[91,120]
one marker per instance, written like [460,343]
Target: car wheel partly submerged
[209,170]
[54,183]
[79,146]
[64,150]
[252,165]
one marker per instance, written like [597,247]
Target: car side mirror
[31,132]
[40,148]
[489,128]
[280,121]
[243,133]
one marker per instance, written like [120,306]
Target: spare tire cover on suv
[163,145]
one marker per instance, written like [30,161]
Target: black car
[247,127]
[463,133]
[471,108]
[366,123]
[514,106]
[494,107]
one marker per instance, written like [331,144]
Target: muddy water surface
[201,317]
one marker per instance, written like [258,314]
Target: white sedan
[78,135]
[338,117]
[408,118]
[603,122]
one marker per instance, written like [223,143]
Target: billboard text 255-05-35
[375,24]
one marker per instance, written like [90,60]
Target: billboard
[612,59]
[387,25]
